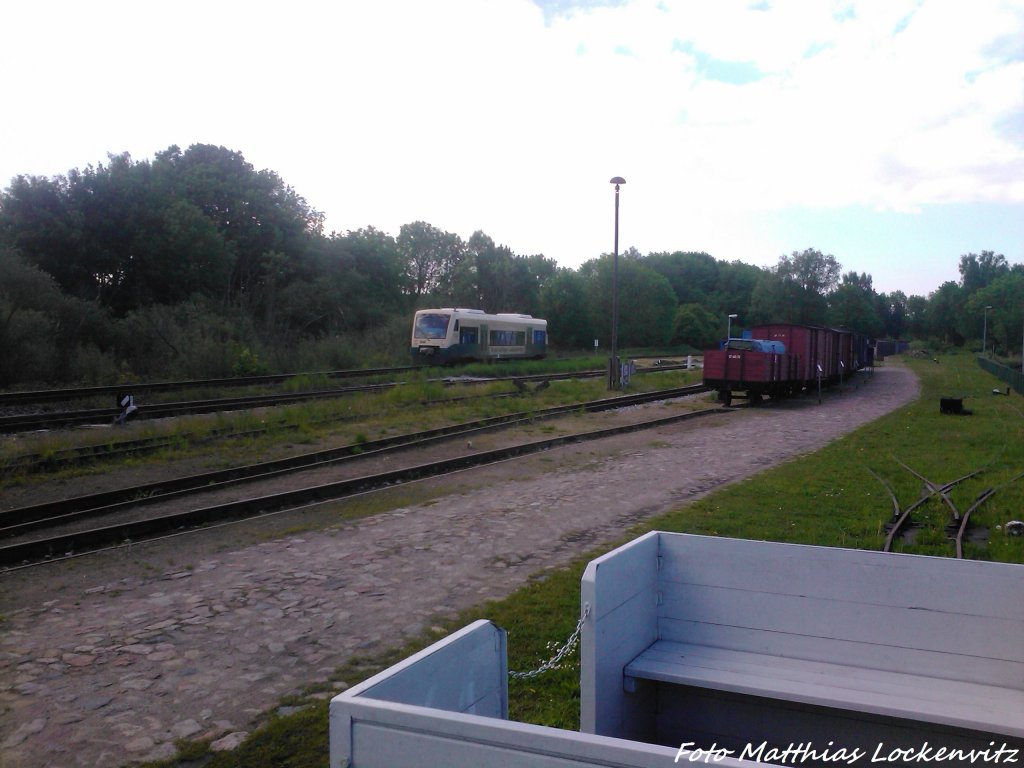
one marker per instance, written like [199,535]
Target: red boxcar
[811,354]
[757,373]
[820,350]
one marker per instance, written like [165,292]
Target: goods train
[452,335]
[782,359]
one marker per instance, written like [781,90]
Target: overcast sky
[887,133]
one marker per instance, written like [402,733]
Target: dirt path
[108,660]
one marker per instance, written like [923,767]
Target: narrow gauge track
[33,421]
[30,463]
[20,521]
[958,526]
[901,518]
[81,393]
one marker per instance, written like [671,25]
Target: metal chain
[553,662]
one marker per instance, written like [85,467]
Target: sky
[887,133]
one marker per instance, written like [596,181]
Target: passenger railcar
[784,358]
[452,335]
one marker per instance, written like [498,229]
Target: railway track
[81,393]
[20,523]
[24,422]
[959,523]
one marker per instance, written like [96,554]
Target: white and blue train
[452,335]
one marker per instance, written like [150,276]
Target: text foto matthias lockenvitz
[808,753]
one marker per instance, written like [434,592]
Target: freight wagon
[783,359]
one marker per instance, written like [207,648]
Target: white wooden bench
[727,641]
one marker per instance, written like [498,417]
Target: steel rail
[38,420]
[135,531]
[892,493]
[23,519]
[68,457]
[904,517]
[934,489]
[981,499]
[78,393]
[24,422]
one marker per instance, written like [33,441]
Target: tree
[852,305]
[29,311]
[734,290]
[978,271]
[429,256]
[807,278]
[695,326]
[892,308]
[945,307]
[647,303]
[917,317]
[693,276]
[563,303]
[1005,326]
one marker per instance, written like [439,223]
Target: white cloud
[487,115]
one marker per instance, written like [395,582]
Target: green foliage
[647,303]
[131,269]
[564,304]
[697,327]
[247,363]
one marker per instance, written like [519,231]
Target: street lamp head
[617,180]
[733,316]
[989,307]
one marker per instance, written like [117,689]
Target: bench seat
[941,701]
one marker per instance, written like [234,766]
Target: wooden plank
[620,589]
[964,705]
[933,583]
[386,734]
[622,573]
[742,723]
[898,627]
[908,660]
[461,673]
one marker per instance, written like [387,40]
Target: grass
[826,498]
[368,415]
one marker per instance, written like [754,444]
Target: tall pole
[614,369]
[728,331]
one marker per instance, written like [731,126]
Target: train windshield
[431,326]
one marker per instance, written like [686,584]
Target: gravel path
[108,660]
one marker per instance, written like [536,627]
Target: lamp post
[728,332]
[614,370]
[984,330]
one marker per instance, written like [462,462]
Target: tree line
[196,264]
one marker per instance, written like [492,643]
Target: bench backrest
[940,617]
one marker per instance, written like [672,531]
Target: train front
[430,337]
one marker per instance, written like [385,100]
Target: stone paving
[113,672]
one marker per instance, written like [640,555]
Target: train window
[507,338]
[469,335]
[538,337]
[431,326]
